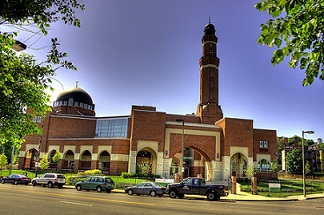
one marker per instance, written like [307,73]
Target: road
[27,200]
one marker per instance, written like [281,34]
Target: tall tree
[295,162]
[23,79]
[296,28]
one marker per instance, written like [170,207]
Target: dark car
[98,183]
[146,188]
[16,179]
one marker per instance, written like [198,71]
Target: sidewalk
[244,196]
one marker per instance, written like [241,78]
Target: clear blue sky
[146,52]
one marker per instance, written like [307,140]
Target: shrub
[93,172]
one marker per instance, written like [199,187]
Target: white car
[50,180]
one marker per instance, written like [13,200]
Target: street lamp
[182,147]
[303,156]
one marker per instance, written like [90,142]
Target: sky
[146,52]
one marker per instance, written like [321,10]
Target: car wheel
[78,187]
[50,185]
[15,182]
[130,192]
[211,196]
[2,181]
[153,193]
[173,194]
[98,189]
[34,183]
[181,196]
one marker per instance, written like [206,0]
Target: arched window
[263,166]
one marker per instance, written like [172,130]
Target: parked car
[98,183]
[50,180]
[16,179]
[146,188]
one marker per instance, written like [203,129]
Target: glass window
[70,102]
[115,127]
[39,119]
[263,166]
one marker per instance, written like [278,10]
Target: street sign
[187,158]
[37,164]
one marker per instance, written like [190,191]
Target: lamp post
[182,147]
[303,156]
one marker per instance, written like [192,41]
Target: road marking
[84,197]
[75,203]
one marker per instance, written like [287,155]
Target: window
[70,102]
[264,145]
[39,119]
[114,127]
[263,166]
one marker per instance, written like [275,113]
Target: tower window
[211,53]
[211,73]
[211,85]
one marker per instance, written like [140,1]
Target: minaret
[208,108]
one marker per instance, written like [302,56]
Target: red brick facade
[206,143]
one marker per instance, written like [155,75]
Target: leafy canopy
[22,79]
[296,29]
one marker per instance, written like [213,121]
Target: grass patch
[288,188]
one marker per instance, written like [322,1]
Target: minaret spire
[76,83]
[208,108]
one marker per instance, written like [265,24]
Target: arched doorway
[104,161]
[30,158]
[239,164]
[68,160]
[85,160]
[53,165]
[146,161]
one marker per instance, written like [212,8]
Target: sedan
[146,188]
[98,183]
[16,179]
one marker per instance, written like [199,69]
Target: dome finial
[209,20]
[76,83]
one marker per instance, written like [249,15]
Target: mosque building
[204,143]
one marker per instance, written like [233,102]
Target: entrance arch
[30,158]
[104,161]
[85,160]
[68,160]
[239,163]
[146,160]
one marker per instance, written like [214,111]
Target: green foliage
[3,161]
[22,79]
[250,171]
[294,162]
[296,29]
[57,157]
[308,170]
[275,167]
[44,163]
[144,168]
[93,172]
[127,175]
